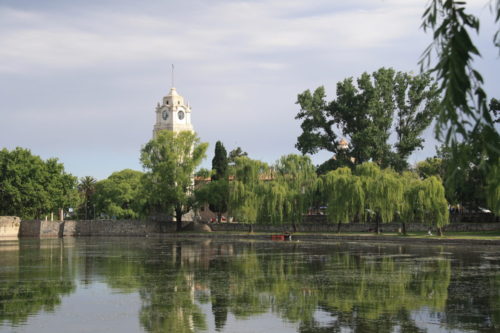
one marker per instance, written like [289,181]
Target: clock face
[180,114]
[164,115]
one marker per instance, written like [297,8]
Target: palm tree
[87,188]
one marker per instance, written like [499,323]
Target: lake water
[202,285]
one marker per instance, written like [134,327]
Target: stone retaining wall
[13,227]
[115,228]
[37,228]
[9,226]
[41,228]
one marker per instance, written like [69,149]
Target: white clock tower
[174,114]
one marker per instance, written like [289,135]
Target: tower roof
[173,92]
[343,142]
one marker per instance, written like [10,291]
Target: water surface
[202,285]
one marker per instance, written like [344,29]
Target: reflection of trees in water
[474,299]
[361,289]
[167,292]
[35,281]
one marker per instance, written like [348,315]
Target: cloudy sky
[79,80]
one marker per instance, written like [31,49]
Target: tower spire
[173,76]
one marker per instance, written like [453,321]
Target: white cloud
[223,32]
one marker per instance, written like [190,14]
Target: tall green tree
[345,196]
[297,176]
[365,113]
[220,188]
[417,104]
[170,160]
[383,193]
[31,187]
[245,193]
[120,195]
[86,187]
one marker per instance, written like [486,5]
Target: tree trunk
[377,225]
[338,227]
[294,227]
[178,217]
[219,217]
[250,228]
[440,231]
[403,228]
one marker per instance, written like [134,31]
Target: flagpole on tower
[172,75]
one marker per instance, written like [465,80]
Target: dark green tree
[31,187]
[366,112]
[170,160]
[220,188]
[86,187]
[237,152]
[431,166]
[416,106]
[120,195]
[219,162]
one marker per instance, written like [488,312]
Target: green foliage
[120,195]
[416,106]
[31,187]
[431,166]
[364,113]
[246,188]
[235,153]
[219,162]
[493,189]
[435,204]
[383,191]
[203,173]
[466,174]
[465,118]
[86,187]
[424,201]
[219,190]
[345,196]
[216,194]
[288,195]
[170,160]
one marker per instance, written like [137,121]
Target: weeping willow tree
[246,189]
[295,179]
[413,195]
[344,196]
[493,189]
[425,202]
[383,192]
[275,205]
[435,204]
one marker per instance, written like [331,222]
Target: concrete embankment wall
[13,227]
[115,228]
[37,228]
[9,226]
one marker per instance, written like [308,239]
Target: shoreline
[434,240]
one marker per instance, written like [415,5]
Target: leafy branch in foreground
[464,109]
